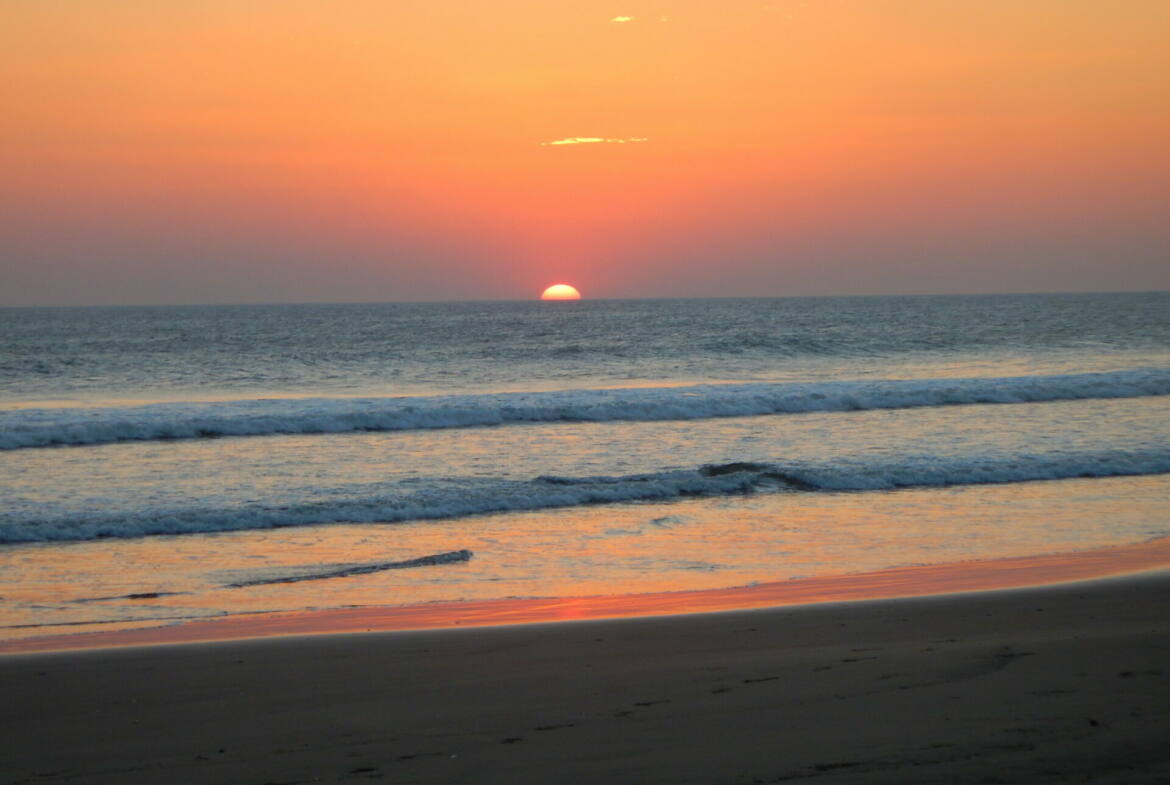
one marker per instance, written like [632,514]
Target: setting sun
[560,291]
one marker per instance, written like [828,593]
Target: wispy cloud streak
[594,140]
[620,19]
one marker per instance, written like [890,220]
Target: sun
[560,291]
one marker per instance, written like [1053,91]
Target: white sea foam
[88,426]
[432,498]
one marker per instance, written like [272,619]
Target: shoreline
[894,583]
[1048,684]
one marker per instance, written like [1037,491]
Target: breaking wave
[461,497]
[89,426]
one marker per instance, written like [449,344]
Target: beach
[1064,683]
[697,541]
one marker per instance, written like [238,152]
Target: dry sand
[1066,683]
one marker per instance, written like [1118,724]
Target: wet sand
[1067,683]
[912,581]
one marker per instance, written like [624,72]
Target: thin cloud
[594,140]
[620,19]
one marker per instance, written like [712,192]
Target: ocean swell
[460,497]
[26,428]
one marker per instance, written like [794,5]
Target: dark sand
[1066,683]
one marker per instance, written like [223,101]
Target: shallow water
[594,550]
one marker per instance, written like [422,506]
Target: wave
[349,570]
[162,421]
[462,497]
[315,572]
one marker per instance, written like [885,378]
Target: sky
[236,151]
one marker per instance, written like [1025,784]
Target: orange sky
[264,150]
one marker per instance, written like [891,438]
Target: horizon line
[537,300]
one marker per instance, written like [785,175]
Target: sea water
[159,464]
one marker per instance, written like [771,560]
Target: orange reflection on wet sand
[889,583]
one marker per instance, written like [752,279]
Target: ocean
[162,464]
